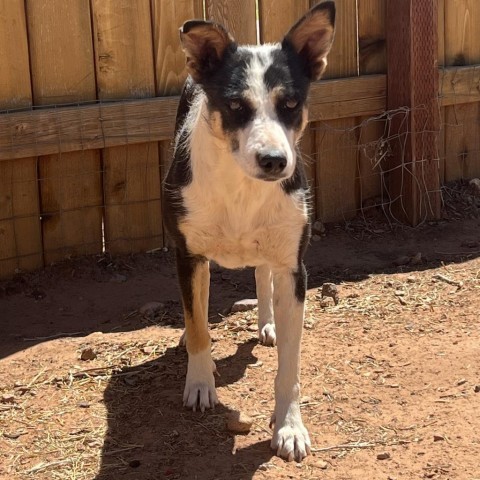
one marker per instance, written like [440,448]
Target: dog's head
[256,95]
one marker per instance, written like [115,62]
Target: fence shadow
[151,436]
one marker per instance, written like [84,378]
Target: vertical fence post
[414,181]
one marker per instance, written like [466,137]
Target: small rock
[148,349]
[383,456]
[461,382]
[318,228]
[416,259]
[7,398]
[244,305]
[474,186]
[316,238]
[151,309]
[331,290]
[438,438]
[118,278]
[83,405]
[322,464]
[238,422]
[476,389]
[88,354]
[134,463]
[305,399]
[403,260]
[411,279]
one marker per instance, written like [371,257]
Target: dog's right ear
[204,44]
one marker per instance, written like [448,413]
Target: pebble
[476,389]
[88,354]
[238,422]
[7,398]
[244,305]
[322,464]
[118,278]
[475,186]
[438,438]
[383,456]
[318,227]
[151,309]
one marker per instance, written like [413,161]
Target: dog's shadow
[151,436]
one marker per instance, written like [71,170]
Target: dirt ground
[391,375]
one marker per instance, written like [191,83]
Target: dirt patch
[390,375]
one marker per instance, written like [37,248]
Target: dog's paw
[291,442]
[199,390]
[200,395]
[267,335]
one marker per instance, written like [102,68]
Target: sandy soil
[391,375]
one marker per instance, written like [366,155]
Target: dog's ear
[312,38]
[204,44]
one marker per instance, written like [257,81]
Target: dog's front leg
[194,277]
[290,437]
[266,326]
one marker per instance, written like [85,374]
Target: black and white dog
[236,194]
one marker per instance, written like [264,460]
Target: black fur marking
[300,275]
[186,265]
[179,174]
[227,83]
[298,180]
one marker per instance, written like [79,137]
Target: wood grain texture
[170,69]
[413,83]
[278,16]
[462,122]
[54,130]
[168,17]
[337,166]
[371,36]
[336,144]
[61,53]
[125,69]
[238,16]
[372,59]
[343,58]
[20,231]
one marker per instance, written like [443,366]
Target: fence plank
[124,65]
[62,71]
[20,232]
[414,183]
[462,123]
[372,59]
[337,167]
[238,16]
[277,16]
[371,37]
[67,129]
[168,17]
[170,63]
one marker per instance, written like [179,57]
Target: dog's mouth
[271,178]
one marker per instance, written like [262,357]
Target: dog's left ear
[205,44]
[312,38]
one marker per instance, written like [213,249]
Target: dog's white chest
[244,226]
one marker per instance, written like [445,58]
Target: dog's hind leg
[290,437]
[266,325]
[194,277]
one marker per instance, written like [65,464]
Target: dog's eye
[291,103]
[235,105]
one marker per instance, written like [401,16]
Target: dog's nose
[272,163]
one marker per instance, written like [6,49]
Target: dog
[236,194]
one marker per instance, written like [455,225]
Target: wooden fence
[88,98]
